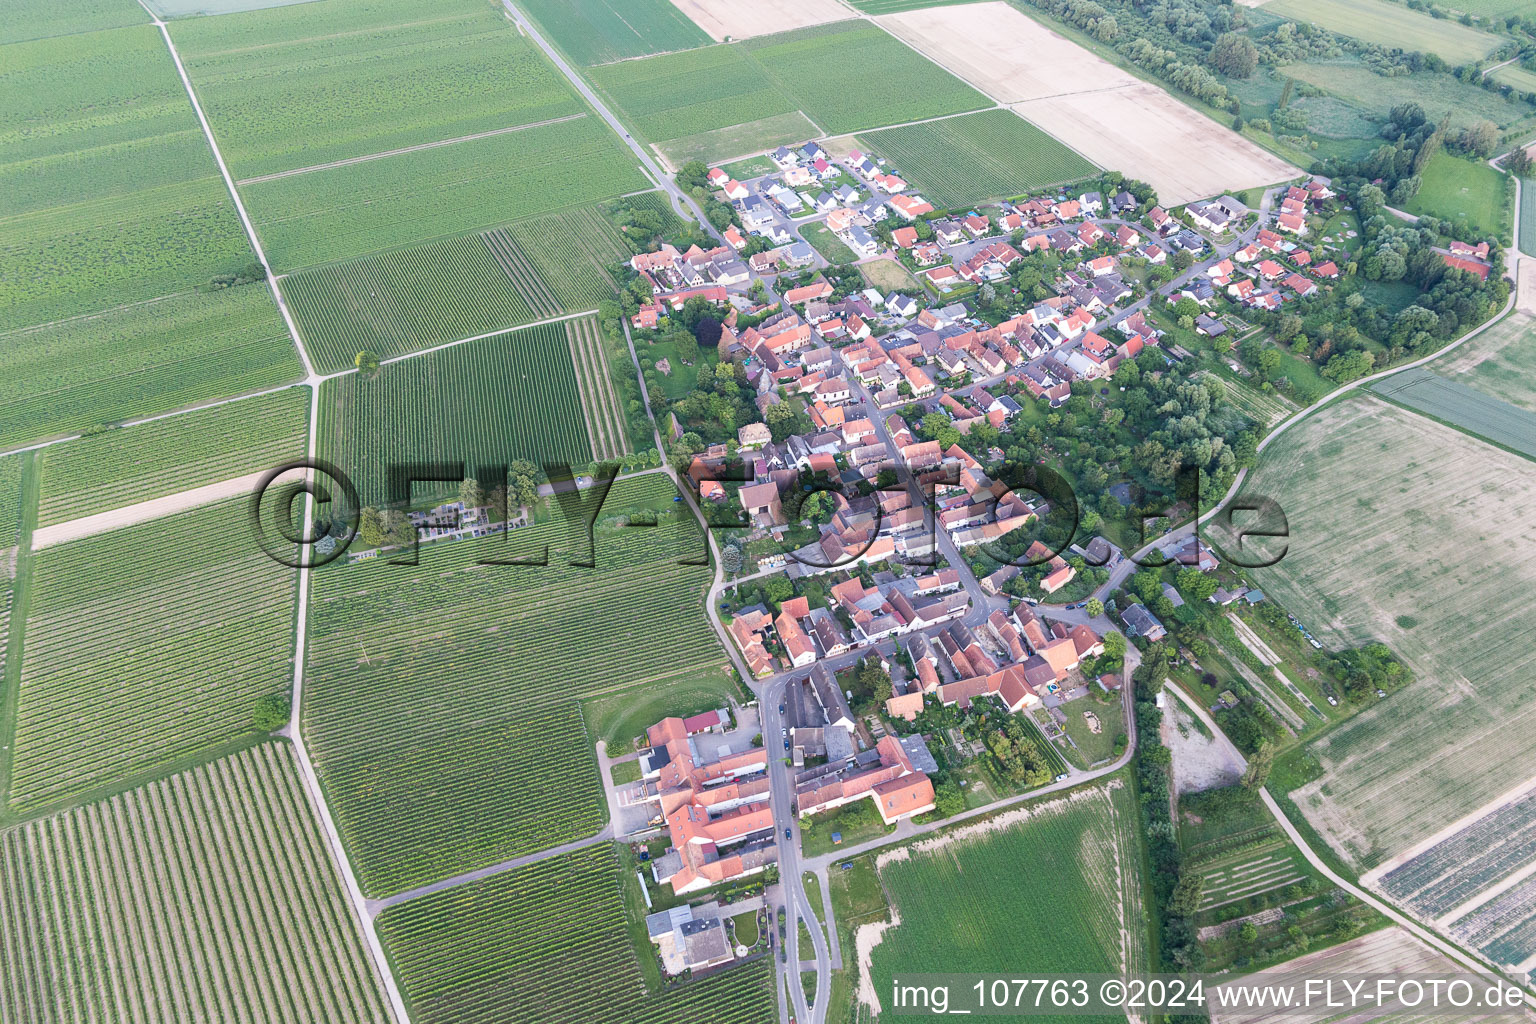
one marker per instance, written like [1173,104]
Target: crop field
[1464,192]
[1504,927]
[1388,24]
[1516,76]
[1083,915]
[140,360]
[1445,97]
[121,467]
[1387,510]
[104,209]
[993,154]
[599,395]
[144,645]
[1459,405]
[292,87]
[1496,8]
[441,696]
[209,895]
[168,9]
[510,397]
[570,253]
[1456,869]
[403,301]
[22,20]
[549,944]
[729,19]
[1500,362]
[11,467]
[342,213]
[600,31]
[1086,103]
[822,72]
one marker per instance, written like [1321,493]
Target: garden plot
[1250,875]
[1114,119]
[732,19]
[209,895]
[1409,532]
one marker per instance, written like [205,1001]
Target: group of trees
[721,402]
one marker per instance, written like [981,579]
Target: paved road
[680,199]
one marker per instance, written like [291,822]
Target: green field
[199,8]
[209,894]
[570,253]
[510,397]
[1463,191]
[293,87]
[550,944]
[443,701]
[341,213]
[600,395]
[141,360]
[1083,915]
[21,20]
[403,301]
[600,31]
[1389,24]
[144,645]
[823,72]
[1456,403]
[108,192]
[10,501]
[1516,76]
[825,242]
[1500,361]
[993,154]
[1382,549]
[1371,95]
[178,453]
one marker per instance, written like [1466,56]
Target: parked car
[788,834]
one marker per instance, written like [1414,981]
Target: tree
[1248,934]
[1094,607]
[1114,645]
[370,527]
[270,712]
[470,494]
[1186,897]
[1235,55]
[1479,138]
[1194,583]
[1257,772]
[367,363]
[948,800]
[1183,260]
[818,508]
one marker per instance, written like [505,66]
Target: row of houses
[1017,658]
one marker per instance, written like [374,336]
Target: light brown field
[1110,116]
[1412,533]
[1386,951]
[742,19]
[1501,361]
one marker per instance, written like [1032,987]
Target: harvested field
[1130,125]
[1412,533]
[1387,951]
[732,19]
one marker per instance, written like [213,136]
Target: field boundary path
[349,161]
[154,508]
[294,729]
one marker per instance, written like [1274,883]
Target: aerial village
[888,562]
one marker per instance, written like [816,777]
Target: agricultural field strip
[408,149]
[139,512]
[1464,407]
[234,193]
